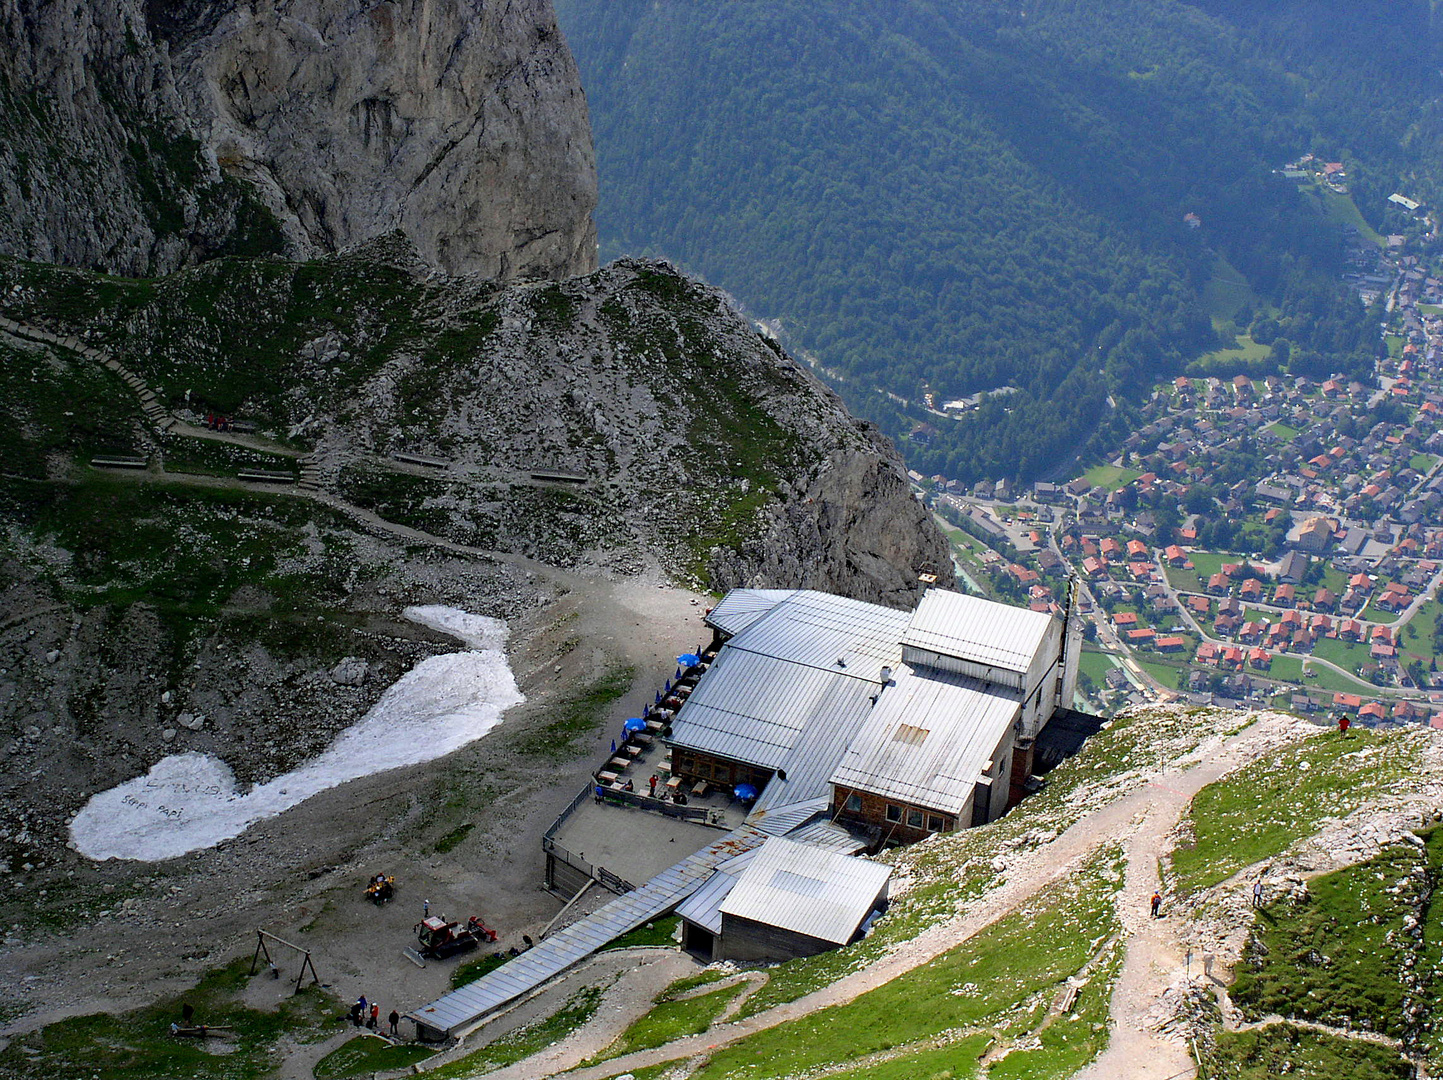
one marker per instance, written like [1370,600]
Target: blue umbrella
[636,723]
[658,697]
[745,792]
[678,674]
[668,687]
[613,746]
[687,659]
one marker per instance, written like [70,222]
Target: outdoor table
[699,788]
[682,691]
[642,739]
[606,777]
[654,726]
[620,763]
[631,750]
[674,783]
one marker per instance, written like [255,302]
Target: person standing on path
[425,909]
[1258,893]
[1156,904]
[394,1020]
[374,1023]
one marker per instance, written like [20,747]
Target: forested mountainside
[953,199]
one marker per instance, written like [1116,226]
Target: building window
[894,813]
[854,803]
[936,823]
[914,818]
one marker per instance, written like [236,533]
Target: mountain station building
[902,723]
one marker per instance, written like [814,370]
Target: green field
[1286,432]
[1341,210]
[1095,665]
[1323,678]
[1347,655]
[1168,675]
[1227,291]
[1417,636]
[1286,669]
[1247,356]
[1110,477]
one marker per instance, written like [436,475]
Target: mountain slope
[139,137]
[953,199]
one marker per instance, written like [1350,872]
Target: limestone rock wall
[141,136]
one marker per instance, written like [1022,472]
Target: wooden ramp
[453,1014]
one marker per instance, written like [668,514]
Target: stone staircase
[149,403]
[310,479]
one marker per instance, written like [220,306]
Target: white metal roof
[807,890]
[929,739]
[826,632]
[971,628]
[739,608]
[754,708]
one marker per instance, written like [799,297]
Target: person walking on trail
[1156,904]
[394,1020]
[1258,893]
[1343,724]
[375,1022]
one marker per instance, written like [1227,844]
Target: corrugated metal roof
[739,608]
[574,943]
[753,708]
[972,628]
[786,816]
[703,907]
[826,834]
[807,890]
[928,739]
[830,633]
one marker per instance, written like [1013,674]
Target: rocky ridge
[138,137]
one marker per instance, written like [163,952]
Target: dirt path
[1154,958]
[1141,820]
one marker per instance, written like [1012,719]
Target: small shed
[784,900]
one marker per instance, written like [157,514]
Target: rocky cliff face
[140,137]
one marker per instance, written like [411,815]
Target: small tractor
[440,939]
[380,889]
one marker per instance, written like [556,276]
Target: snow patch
[190,801]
